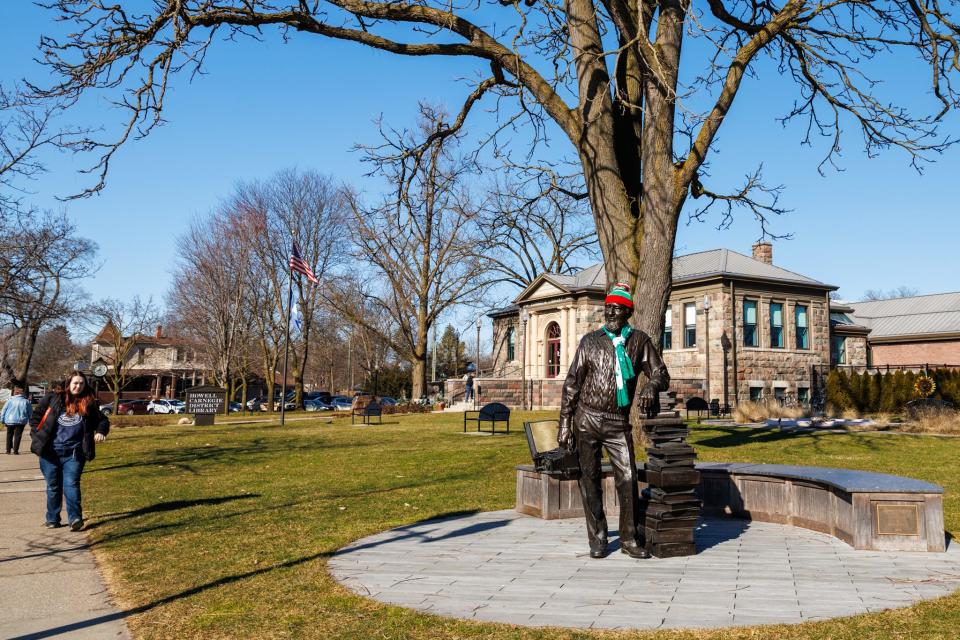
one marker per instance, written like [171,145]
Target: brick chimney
[160,326]
[763,251]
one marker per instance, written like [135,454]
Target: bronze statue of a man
[594,413]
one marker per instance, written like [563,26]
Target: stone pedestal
[672,505]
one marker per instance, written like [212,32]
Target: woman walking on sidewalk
[65,427]
[16,413]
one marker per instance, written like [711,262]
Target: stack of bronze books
[672,506]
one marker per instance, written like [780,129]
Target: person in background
[15,415]
[468,387]
[65,427]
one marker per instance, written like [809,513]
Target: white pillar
[564,344]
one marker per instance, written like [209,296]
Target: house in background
[917,331]
[158,366]
[737,328]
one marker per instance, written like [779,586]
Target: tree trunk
[26,341]
[636,242]
[419,367]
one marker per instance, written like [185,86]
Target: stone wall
[541,394]
[686,388]
[856,351]
[503,367]
[705,369]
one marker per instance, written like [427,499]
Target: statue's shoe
[634,551]
[599,551]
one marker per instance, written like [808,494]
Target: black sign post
[205,402]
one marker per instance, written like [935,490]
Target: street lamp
[524,317]
[478,348]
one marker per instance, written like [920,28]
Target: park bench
[492,413]
[698,404]
[874,511]
[717,410]
[864,509]
[366,411]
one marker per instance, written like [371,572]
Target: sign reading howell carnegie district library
[206,399]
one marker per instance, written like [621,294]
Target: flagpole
[286,349]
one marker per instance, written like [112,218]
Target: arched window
[511,341]
[553,350]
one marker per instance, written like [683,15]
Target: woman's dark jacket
[43,434]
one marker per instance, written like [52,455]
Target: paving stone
[509,568]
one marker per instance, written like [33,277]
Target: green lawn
[224,531]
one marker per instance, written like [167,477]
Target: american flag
[298,264]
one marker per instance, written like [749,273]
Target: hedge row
[886,392]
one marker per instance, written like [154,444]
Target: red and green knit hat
[620,294]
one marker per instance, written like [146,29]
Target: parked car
[387,400]
[342,403]
[235,406]
[166,406]
[127,407]
[317,395]
[316,404]
[259,403]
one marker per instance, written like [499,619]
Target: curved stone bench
[864,509]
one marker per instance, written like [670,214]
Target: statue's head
[617,308]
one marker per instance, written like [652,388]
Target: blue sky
[265,106]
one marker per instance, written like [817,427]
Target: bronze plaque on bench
[898,520]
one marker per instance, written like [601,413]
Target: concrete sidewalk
[50,586]
[505,567]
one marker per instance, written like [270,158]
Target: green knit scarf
[624,367]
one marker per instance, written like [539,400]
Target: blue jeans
[62,473]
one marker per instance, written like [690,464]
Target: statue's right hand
[565,437]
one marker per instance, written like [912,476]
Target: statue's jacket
[591,384]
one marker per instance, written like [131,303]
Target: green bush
[888,392]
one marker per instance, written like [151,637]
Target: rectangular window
[511,345]
[803,395]
[667,330]
[803,342]
[750,323]
[755,394]
[776,325]
[690,325]
[780,394]
[838,354]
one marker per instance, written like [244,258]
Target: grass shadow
[182,457]
[172,505]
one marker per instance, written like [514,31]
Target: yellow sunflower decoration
[925,386]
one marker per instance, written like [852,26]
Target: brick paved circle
[505,567]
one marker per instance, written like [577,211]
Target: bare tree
[879,294]
[26,128]
[420,243]
[606,73]
[41,261]
[54,354]
[302,207]
[528,231]
[209,288]
[121,326]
